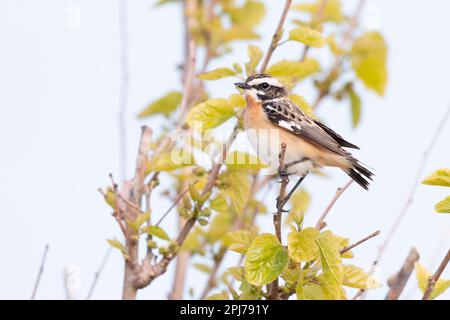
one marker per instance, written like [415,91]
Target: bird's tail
[360,174]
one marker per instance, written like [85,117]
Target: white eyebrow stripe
[272,81]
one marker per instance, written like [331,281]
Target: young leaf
[216,74]
[165,105]
[331,11]
[356,277]
[308,36]
[289,69]
[236,100]
[309,291]
[301,102]
[422,276]
[237,272]
[157,232]
[218,296]
[238,160]
[239,241]
[330,260]
[139,221]
[118,245]
[237,189]
[302,245]
[219,226]
[202,267]
[368,57]
[255,54]
[169,161]
[355,103]
[265,260]
[440,177]
[209,114]
[443,206]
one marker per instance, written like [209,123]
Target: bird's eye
[265,85]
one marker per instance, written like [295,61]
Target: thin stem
[411,193]
[321,222]
[350,247]
[41,271]
[434,278]
[124,87]
[397,283]
[98,273]
[276,36]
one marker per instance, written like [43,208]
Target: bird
[272,119]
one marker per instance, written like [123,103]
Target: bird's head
[262,87]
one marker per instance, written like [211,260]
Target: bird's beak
[242,85]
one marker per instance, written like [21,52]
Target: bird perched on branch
[271,119]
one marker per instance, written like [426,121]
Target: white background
[59,136]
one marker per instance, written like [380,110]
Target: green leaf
[255,55]
[237,272]
[300,201]
[219,203]
[239,33]
[249,15]
[239,241]
[218,296]
[310,291]
[219,226]
[331,11]
[355,103]
[422,275]
[356,277]
[368,56]
[118,245]
[443,206]
[169,161]
[202,267]
[237,189]
[236,100]
[265,260]
[165,105]
[308,36]
[302,245]
[440,177]
[238,160]
[216,74]
[209,114]
[330,260]
[139,221]
[288,69]
[302,104]
[157,232]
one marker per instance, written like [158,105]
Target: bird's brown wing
[288,116]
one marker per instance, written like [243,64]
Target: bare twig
[321,223]
[411,193]
[350,247]
[41,271]
[124,86]
[340,57]
[173,205]
[435,277]
[276,36]
[98,273]
[397,283]
[273,295]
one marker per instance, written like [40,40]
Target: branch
[321,223]
[276,36]
[277,216]
[124,85]
[434,278]
[412,191]
[41,271]
[397,283]
[98,273]
[350,247]
[339,58]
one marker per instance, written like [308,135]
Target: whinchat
[309,143]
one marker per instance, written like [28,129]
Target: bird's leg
[291,192]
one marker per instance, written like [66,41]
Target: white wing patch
[290,125]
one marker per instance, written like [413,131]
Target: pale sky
[59,136]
